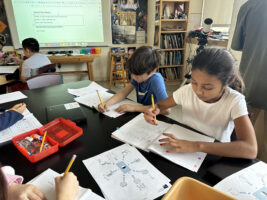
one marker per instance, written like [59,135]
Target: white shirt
[31,64]
[214,119]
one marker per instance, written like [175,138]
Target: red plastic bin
[60,132]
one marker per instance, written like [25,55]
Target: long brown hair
[221,63]
[3,186]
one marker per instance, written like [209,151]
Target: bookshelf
[171,22]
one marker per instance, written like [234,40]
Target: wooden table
[89,59]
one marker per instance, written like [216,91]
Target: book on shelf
[172,41]
[145,136]
[172,57]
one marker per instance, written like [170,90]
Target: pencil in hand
[100,99]
[153,106]
[70,164]
[43,140]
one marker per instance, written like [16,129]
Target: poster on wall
[129,21]
[5,36]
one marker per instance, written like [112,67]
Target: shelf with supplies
[171,21]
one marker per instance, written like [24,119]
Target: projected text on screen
[59,22]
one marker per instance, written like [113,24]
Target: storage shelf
[174,31]
[174,20]
[181,49]
[167,66]
[175,0]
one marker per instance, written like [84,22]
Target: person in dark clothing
[11,116]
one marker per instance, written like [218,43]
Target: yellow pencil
[153,106]
[100,99]
[43,140]
[70,164]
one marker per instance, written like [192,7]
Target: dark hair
[1,43]
[221,63]
[144,60]
[31,44]
[3,186]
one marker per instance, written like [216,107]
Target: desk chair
[44,80]
[187,188]
[45,69]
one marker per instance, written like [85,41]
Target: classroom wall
[101,65]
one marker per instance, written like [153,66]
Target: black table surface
[97,139]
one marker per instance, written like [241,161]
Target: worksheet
[27,123]
[124,173]
[46,183]
[87,90]
[13,96]
[248,184]
[139,133]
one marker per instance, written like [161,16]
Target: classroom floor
[170,87]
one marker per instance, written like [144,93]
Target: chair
[45,69]
[187,188]
[44,80]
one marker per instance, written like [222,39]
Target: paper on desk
[93,101]
[249,183]
[124,173]
[45,182]
[13,96]
[87,90]
[28,123]
[191,161]
[9,69]
[139,133]
[69,106]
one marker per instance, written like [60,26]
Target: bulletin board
[129,21]
[5,36]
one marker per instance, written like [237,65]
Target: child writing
[212,104]
[142,65]
[10,117]
[66,189]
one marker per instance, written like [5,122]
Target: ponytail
[220,63]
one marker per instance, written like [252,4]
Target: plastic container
[186,188]
[60,132]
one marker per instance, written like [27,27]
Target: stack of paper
[45,182]
[249,183]
[28,123]
[140,134]
[9,69]
[92,101]
[123,173]
[13,96]
[87,90]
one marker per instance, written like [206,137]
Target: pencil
[153,106]
[43,140]
[100,99]
[70,164]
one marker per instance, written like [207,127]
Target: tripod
[202,41]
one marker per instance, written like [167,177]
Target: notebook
[70,111]
[145,136]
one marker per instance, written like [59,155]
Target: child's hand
[66,186]
[125,108]
[19,107]
[183,146]
[24,191]
[102,109]
[150,114]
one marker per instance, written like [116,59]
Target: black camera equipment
[202,37]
